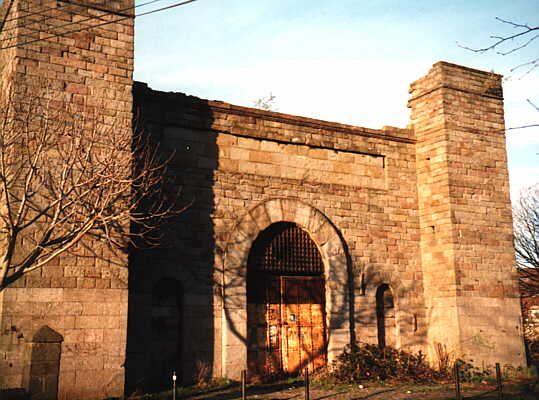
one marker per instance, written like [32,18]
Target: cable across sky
[87,27]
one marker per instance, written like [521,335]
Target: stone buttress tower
[81,54]
[471,290]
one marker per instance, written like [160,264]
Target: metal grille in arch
[286,249]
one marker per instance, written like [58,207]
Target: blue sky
[341,60]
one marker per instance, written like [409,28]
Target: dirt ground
[282,391]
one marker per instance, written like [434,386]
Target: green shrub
[367,362]
[472,374]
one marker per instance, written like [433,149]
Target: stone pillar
[471,290]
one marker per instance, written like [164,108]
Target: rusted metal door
[285,303]
[303,327]
[264,331]
[287,331]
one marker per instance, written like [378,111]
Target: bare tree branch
[526,237]
[66,176]
[526,32]
[266,103]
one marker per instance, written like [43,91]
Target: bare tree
[66,176]
[523,36]
[508,44]
[526,232]
[266,103]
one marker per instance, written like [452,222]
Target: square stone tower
[77,55]
[467,254]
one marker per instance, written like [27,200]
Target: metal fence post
[243,379]
[457,381]
[307,395]
[499,382]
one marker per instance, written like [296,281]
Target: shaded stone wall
[82,56]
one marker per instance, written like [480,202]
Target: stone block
[260,217]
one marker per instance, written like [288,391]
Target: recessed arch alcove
[385,316]
[332,251]
[386,309]
[45,364]
[166,334]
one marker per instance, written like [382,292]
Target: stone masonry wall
[424,210]
[232,159]
[82,55]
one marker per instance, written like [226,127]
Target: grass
[189,391]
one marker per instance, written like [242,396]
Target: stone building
[302,236]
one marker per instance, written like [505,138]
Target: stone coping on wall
[459,78]
[192,112]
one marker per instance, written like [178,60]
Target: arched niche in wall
[385,316]
[166,332]
[46,349]
[375,282]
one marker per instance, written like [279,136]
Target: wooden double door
[286,325]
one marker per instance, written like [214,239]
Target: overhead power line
[165,8]
[46,17]
[43,19]
[87,27]
[40,12]
[106,12]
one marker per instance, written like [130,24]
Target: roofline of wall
[458,66]
[402,135]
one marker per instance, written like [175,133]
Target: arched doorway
[166,333]
[285,303]
[385,316]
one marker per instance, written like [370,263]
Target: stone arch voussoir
[374,277]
